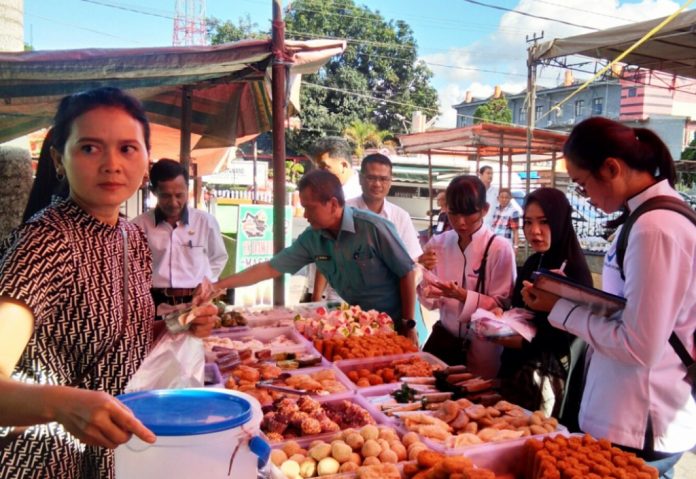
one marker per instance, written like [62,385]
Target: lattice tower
[189,23]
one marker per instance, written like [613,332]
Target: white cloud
[500,58]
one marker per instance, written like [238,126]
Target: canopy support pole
[278,93]
[430,189]
[186,116]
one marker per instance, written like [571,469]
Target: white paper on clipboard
[598,301]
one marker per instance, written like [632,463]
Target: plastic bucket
[211,433]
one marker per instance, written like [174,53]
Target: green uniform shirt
[363,264]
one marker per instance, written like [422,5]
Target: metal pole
[278,93]
[500,161]
[531,113]
[186,115]
[255,159]
[430,188]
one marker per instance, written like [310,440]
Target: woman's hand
[428,259]
[95,417]
[451,289]
[536,299]
[204,320]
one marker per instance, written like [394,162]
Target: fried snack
[562,457]
[433,465]
[379,471]
[427,459]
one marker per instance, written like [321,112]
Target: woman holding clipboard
[635,392]
[534,374]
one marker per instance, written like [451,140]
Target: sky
[467,45]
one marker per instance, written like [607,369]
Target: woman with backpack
[636,393]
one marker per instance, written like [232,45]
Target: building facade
[654,100]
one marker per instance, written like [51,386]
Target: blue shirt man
[359,253]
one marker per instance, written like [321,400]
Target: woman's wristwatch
[408,323]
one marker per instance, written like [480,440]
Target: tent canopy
[482,140]
[231,94]
[670,50]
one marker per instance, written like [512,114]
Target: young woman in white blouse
[635,392]
[456,257]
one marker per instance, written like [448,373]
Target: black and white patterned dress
[68,268]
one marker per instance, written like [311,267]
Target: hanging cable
[645,38]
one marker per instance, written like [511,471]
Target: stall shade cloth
[230,88]
[670,50]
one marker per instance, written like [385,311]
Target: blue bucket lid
[186,412]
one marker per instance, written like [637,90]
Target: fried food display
[462,423]
[380,344]
[370,451]
[289,418]
[386,372]
[433,465]
[584,457]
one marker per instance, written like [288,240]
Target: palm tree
[362,134]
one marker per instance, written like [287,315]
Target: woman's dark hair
[594,140]
[73,106]
[46,183]
[166,169]
[324,185]
[564,242]
[466,195]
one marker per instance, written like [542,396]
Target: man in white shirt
[375,180]
[485,174]
[333,154]
[186,243]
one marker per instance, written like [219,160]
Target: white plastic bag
[514,321]
[176,361]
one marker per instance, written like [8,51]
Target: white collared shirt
[352,188]
[634,372]
[401,220]
[183,256]
[492,200]
[462,267]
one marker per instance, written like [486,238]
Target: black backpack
[672,204]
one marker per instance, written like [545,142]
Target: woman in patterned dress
[75,322]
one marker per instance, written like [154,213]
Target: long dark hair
[47,184]
[594,140]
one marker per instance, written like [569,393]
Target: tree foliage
[362,134]
[227,31]
[495,110]
[378,78]
[687,178]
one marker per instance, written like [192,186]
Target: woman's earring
[60,175]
